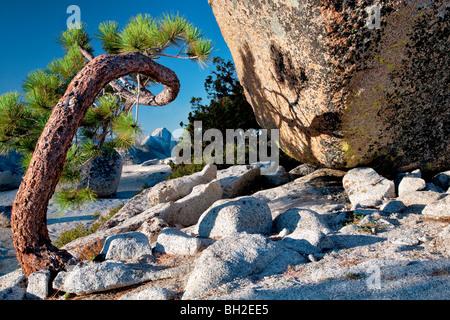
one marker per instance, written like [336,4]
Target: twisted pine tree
[69,110]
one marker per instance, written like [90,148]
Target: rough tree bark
[29,214]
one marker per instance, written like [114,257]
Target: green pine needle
[109,36]
[127,132]
[78,37]
[72,199]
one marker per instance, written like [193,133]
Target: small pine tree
[97,92]
[108,124]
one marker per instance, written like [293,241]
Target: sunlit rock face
[346,86]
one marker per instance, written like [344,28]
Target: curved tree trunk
[29,214]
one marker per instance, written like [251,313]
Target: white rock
[404,238]
[174,241]
[278,178]
[243,214]
[302,170]
[187,210]
[438,209]
[236,180]
[172,190]
[298,218]
[307,241]
[369,203]
[149,293]
[38,285]
[152,228]
[393,206]
[5,216]
[13,286]
[88,277]
[410,184]
[420,198]
[234,256]
[351,229]
[443,241]
[128,225]
[130,245]
[366,184]
[442,180]
[366,212]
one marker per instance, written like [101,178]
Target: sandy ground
[134,178]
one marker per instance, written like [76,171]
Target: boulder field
[329,234]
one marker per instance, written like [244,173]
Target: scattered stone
[432,187]
[277,178]
[442,180]
[349,229]
[287,259]
[393,206]
[130,245]
[188,210]
[237,180]
[410,184]
[363,184]
[307,216]
[422,198]
[174,241]
[234,256]
[128,225]
[149,294]
[366,212]
[152,228]
[89,277]
[172,190]
[321,188]
[443,241]
[5,216]
[13,285]
[38,285]
[243,214]
[307,241]
[297,218]
[404,238]
[438,209]
[369,203]
[302,170]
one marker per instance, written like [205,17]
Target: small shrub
[81,230]
[352,218]
[67,236]
[353,276]
[89,251]
[183,169]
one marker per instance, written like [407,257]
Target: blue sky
[28,31]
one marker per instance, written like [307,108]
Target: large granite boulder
[102,174]
[10,171]
[342,91]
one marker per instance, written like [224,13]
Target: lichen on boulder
[341,93]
